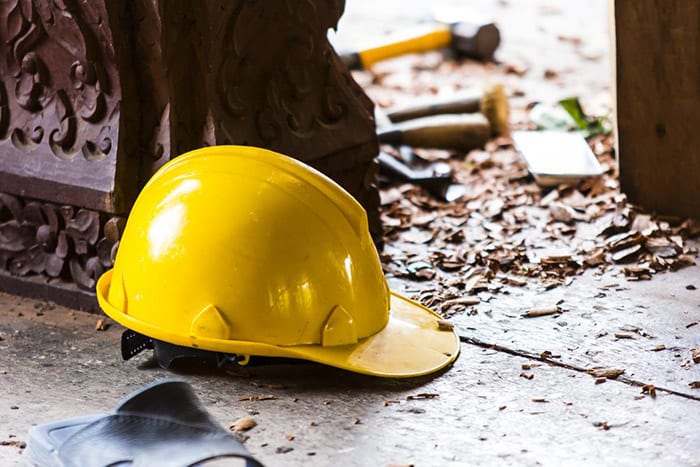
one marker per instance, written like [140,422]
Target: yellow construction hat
[240,250]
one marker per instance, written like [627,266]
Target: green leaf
[573,108]
[590,126]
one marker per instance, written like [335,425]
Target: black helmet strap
[134,343]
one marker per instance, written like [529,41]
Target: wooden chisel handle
[457,131]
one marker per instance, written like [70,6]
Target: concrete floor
[500,404]
[493,407]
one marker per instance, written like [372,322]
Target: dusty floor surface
[493,407]
[521,392]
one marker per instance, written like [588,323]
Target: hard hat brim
[411,344]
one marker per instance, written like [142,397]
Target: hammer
[478,41]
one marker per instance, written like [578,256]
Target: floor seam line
[524,354]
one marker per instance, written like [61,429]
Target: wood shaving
[500,228]
[622,335]
[602,425]
[14,444]
[695,354]
[260,397]
[537,312]
[101,325]
[243,424]
[610,373]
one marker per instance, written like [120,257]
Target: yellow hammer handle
[436,38]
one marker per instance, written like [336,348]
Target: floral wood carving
[73,94]
[59,94]
[66,242]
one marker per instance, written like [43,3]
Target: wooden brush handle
[465,102]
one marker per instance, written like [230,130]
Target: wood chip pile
[508,230]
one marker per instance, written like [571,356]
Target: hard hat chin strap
[134,343]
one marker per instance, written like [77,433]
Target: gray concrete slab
[486,410]
[645,329]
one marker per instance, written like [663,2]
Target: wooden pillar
[96,95]
[657,64]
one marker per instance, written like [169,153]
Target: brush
[491,101]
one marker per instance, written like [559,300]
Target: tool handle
[465,102]
[436,37]
[458,131]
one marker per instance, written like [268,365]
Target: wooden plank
[658,97]
[57,291]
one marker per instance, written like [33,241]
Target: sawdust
[508,231]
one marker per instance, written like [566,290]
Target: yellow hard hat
[240,250]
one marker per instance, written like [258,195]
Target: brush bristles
[494,106]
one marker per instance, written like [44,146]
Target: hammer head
[473,40]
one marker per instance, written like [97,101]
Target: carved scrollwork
[62,139]
[228,81]
[91,100]
[96,150]
[267,118]
[334,106]
[58,64]
[4,112]
[298,62]
[29,89]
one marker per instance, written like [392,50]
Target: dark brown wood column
[96,95]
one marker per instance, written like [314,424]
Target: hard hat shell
[242,250]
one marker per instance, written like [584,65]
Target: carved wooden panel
[61,242]
[60,97]
[270,76]
[287,91]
